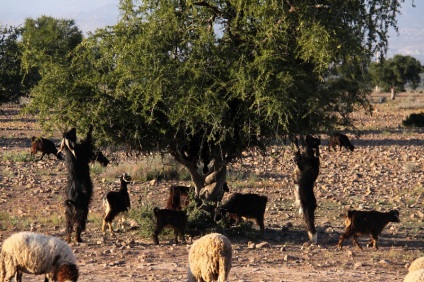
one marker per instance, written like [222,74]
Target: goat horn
[70,147]
[62,145]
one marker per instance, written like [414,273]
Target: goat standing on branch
[306,173]
[79,188]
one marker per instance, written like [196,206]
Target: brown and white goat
[341,140]
[116,202]
[366,222]
[45,146]
[169,218]
[306,173]
[244,205]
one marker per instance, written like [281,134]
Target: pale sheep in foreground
[210,258]
[415,276]
[28,252]
[417,264]
[416,271]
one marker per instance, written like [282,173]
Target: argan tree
[394,73]
[206,80]
[11,86]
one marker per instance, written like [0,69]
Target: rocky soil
[384,172]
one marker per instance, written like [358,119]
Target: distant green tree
[45,41]
[207,80]
[393,74]
[11,85]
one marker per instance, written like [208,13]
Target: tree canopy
[11,86]
[396,72]
[210,79]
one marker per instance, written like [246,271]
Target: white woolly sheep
[417,264]
[37,254]
[210,258]
[415,276]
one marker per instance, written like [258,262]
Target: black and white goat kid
[79,188]
[116,202]
[306,173]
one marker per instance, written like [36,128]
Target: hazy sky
[92,14]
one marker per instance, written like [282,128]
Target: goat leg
[355,241]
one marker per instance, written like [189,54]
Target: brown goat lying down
[341,140]
[360,223]
[169,218]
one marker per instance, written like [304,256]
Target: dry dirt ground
[384,172]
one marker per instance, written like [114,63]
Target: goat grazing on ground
[366,222]
[79,188]
[306,173]
[169,218]
[341,140]
[244,205]
[101,158]
[116,202]
[178,197]
[37,254]
[45,146]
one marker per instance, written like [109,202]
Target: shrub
[414,120]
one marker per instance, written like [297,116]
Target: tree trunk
[392,92]
[215,178]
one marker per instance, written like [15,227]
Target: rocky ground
[384,172]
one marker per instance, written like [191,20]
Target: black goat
[366,222]
[45,146]
[306,173]
[178,197]
[116,202]
[79,189]
[244,205]
[101,158]
[170,218]
[341,140]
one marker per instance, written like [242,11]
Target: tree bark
[392,92]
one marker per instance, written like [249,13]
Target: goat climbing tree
[206,80]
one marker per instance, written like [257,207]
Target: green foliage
[145,218]
[215,78]
[396,72]
[414,120]
[11,86]
[16,157]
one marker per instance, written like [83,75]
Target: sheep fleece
[35,253]
[210,258]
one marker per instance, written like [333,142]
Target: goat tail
[156,210]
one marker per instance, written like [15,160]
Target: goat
[341,140]
[244,205]
[79,189]
[45,146]
[116,202]
[178,197]
[306,173]
[366,222]
[170,218]
[101,158]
